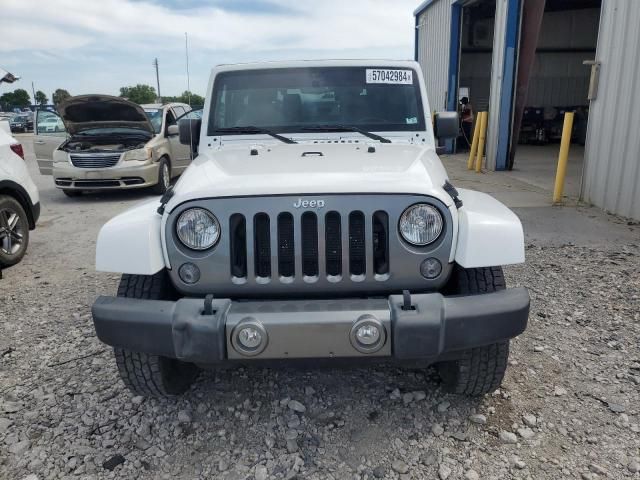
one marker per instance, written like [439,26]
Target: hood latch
[453,193]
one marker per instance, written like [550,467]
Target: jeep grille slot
[309,232]
[262,245]
[286,254]
[238,245]
[333,245]
[357,247]
[380,242]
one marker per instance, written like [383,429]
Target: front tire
[14,231]
[479,370]
[147,374]
[164,177]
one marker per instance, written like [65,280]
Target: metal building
[519,58]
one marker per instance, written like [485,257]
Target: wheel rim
[165,175]
[11,232]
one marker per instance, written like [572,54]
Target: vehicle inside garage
[550,77]
[559,82]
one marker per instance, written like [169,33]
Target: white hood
[300,170]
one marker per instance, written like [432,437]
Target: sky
[98,46]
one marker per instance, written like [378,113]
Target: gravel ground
[569,407]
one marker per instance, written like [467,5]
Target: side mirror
[172,130]
[189,129]
[446,125]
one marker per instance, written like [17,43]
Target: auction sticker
[400,77]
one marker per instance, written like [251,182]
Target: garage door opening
[559,82]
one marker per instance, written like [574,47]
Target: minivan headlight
[198,228]
[139,154]
[420,224]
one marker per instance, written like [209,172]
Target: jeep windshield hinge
[165,199]
[453,193]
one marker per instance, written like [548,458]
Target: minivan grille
[310,245]
[96,160]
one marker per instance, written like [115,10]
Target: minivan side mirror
[172,130]
[446,125]
[189,130]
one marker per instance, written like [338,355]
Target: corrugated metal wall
[612,155]
[560,78]
[434,26]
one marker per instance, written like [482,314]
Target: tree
[59,96]
[18,98]
[139,94]
[41,98]
[192,99]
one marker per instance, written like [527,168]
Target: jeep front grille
[274,246]
[318,242]
[94,160]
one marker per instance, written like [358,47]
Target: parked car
[21,123]
[317,222]
[110,143]
[19,202]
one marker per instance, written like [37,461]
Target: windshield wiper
[345,128]
[254,130]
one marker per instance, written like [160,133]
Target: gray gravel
[568,410]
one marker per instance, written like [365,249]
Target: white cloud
[327,25]
[99,45]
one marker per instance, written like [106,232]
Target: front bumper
[125,175]
[434,327]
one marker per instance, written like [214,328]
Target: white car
[51,125]
[317,222]
[19,202]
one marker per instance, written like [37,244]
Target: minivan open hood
[85,112]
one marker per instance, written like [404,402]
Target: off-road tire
[10,204]
[479,370]
[71,193]
[163,182]
[147,374]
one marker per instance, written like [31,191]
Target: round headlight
[198,228]
[421,224]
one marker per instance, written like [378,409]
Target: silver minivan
[101,142]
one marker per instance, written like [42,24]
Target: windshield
[288,100]
[155,116]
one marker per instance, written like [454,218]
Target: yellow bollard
[474,143]
[563,157]
[483,136]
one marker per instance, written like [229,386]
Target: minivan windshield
[308,99]
[155,116]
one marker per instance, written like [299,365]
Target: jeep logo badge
[309,203]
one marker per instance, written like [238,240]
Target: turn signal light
[17,149]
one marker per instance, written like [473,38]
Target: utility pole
[34,95]
[155,64]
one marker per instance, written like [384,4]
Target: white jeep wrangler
[317,222]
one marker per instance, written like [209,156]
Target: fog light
[249,337]
[189,273]
[430,268]
[367,334]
